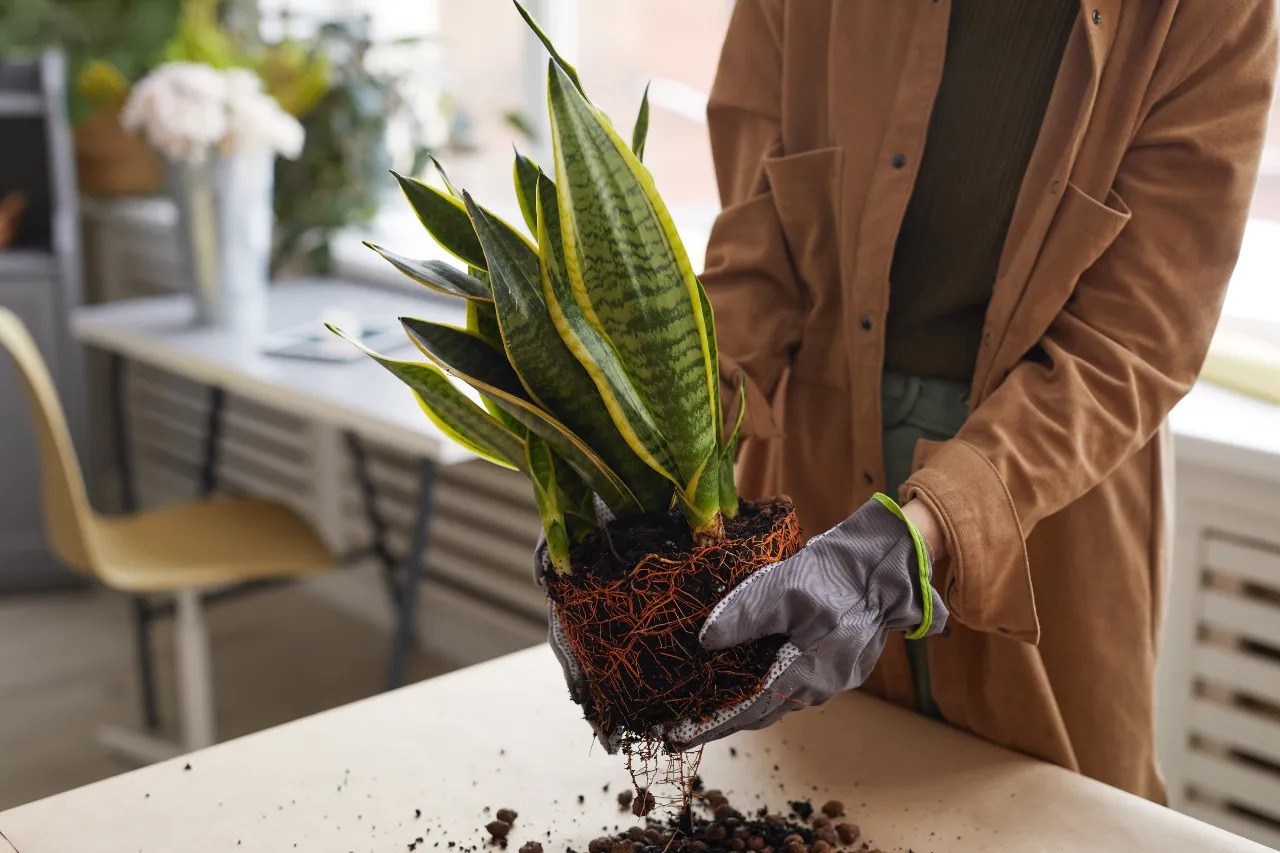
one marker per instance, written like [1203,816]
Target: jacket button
[1097,16]
[866,322]
[866,475]
[899,160]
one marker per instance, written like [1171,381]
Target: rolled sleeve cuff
[986,582]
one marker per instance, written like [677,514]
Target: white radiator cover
[1218,709]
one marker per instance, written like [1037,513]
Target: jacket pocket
[805,188]
[1082,230]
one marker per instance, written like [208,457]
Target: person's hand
[836,601]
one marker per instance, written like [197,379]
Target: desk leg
[413,571]
[129,503]
[377,524]
[212,442]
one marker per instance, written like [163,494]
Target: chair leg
[413,569]
[195,673]
[146,662]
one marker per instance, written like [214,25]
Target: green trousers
[915,408]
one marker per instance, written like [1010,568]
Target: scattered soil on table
[712,824]
[632,608]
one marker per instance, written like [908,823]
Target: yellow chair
[181,550]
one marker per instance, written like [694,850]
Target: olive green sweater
[1001,63]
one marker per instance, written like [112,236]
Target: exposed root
[635,634]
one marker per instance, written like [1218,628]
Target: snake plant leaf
[548,370]
[476,362]
[445,219]
[540,462]
[577,503]
[444,176]
[450,409]
[632,278]
[728,455]
[597,355]
[482,320]
[437,275]
[569,70]
[641,131]
[526,176]
[714,356]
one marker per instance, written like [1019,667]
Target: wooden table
[504,734]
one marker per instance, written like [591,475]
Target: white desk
[504,734]
[358,398]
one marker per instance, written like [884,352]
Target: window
[1253,294]
[479,78]
[480,86]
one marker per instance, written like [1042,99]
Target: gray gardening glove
[559,643]
[836,600]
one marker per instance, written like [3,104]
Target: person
[971,253]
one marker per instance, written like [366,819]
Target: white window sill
[1253,293]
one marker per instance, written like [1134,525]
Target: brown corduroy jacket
[1124,235]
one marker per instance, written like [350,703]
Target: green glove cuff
[922,562]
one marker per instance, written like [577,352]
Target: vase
[225,221]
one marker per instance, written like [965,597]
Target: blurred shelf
[21,105]
[26,262]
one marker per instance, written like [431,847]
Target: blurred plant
[294,74]
[338,180]
[123,35]
[200,38]
[102,85]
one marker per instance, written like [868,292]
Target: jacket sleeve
[1130,342]
[748,274]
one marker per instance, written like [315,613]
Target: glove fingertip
[716,636]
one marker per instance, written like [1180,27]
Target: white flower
[186,109]
[254,119]
[180,108]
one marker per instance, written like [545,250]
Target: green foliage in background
[340,177]
[126,35]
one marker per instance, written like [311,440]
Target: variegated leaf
[445,219]
[474,361]
[542,471]
[526,179]
[729,455]
[633,280]
[598,357]
[576,502]
[554,378]
[641,131]
[482,320]
[444,177]
[437,275]
[709,316]
[450,410]
[560,61]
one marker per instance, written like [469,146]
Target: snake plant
[589,337]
